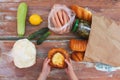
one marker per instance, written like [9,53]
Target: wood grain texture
[8,36]
[8,9]
[84,71]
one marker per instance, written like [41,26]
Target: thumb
[48,61]
[67,61]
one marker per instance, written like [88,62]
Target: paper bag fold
[104,41]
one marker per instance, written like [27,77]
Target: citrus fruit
[35,19]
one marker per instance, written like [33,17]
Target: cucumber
[43,37]
[37,33]
[21,18]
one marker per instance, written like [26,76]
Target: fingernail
[65,60]
[48,59]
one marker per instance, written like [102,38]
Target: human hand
[45,70]
[46,67]
[70,71]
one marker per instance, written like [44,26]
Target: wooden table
[8,35]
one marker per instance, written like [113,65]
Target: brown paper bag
[104,41]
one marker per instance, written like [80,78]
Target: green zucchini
[21,18]
[43,37]
[37,33]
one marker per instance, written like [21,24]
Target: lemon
[35,19]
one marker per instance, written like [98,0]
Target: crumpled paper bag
[104,41]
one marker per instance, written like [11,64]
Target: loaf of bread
[57,57]
[77,56]
[78,45]
[82,13]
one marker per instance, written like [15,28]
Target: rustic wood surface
[8,35]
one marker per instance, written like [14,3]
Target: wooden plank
[84,71]
[11,16]
[8,35]
[8,26]
[41,49]
[8,1]
[8,14]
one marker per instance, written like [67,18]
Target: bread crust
[77,56]
[78,45]
[82,13]
[53,51]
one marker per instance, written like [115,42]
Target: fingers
[48,60]
[70,61]
[45,59]
[67,61]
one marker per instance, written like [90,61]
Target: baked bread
[57,57]
[82,13]
[77,56]
[78,45]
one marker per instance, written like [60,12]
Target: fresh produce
[78,45]
[77,56]
[43,37]
[35,19]
[24,53]
[57,57]
[21,18]
[82,13]
[38,33]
